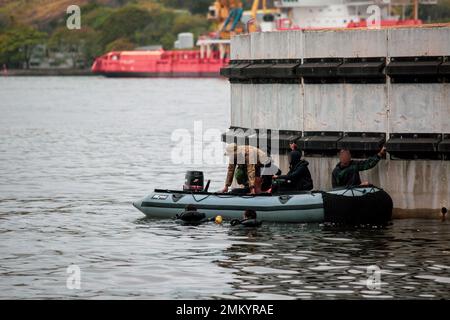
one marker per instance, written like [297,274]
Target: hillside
[40,12]
[112,25]
[36,11]
[106,25]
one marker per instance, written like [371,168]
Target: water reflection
[322,262]
[72,162]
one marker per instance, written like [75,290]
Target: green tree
[121,44]
[436,13]
[167,40]
[124,23]
[158,26]
[164,26]
[194,6]
[5,22]
[82,45]
[17,43]
[190,23]
[96,16]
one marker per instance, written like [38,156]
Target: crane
[228,15]
[225,12]
[235,14]
[254,25]
[255,7]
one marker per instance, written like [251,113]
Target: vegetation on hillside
[16,45]
[112,25]
[106,25]
[439,13]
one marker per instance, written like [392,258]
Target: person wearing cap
[346,173]
[245,164]
[298,178]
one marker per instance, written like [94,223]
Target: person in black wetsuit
[346,173]
[298,178]
[249,220]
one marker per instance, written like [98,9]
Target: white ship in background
[311,14]
[318,14]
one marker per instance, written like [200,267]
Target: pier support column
[418,182]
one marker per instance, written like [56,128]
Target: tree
[82,45]
[436,13]
[194,6]
[158,26]
[123,23]
[167,40]
[190,23]
[5,22]
[95,17]
[17,43]
[121,44]
[164,26]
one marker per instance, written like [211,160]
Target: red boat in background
[213,50]
[160,63]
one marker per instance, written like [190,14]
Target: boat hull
[159,64]
[307,207]
[159,74]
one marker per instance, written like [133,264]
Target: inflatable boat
[359,205]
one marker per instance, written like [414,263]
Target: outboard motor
[194,181]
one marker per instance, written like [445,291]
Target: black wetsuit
[298,178]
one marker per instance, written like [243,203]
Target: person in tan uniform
[245,163]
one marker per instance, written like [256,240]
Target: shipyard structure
[354,88]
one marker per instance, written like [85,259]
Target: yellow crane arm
[255,7]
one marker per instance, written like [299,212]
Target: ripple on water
[71,165]
[327,268]
[439,279]
[381,297]
[266,270]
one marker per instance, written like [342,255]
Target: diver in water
[249,214]
[190,216]
[249,219]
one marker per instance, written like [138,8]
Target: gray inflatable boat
[360,205]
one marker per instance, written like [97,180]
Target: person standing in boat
[245,164]
[298,178]
[346,173]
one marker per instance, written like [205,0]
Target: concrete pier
[419,187]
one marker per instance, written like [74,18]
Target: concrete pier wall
[417,186]
[268,106]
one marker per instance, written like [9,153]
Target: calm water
[74,154]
